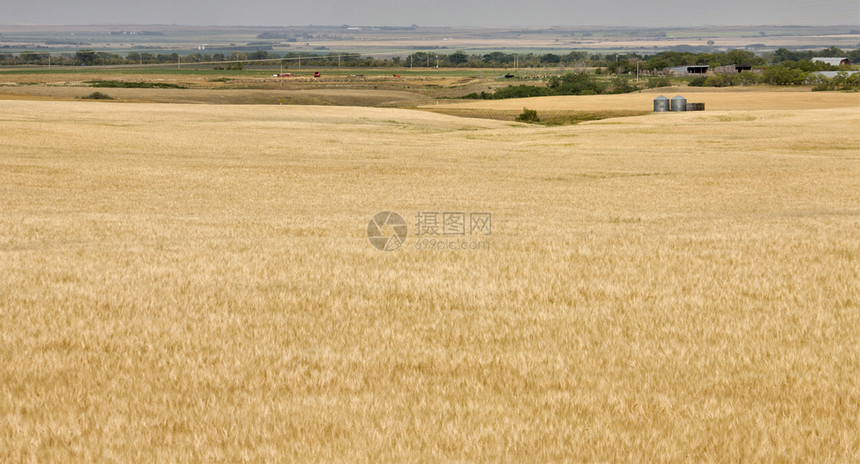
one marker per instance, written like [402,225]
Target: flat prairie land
[745,98]
[196,283]
[323,96]
[378,87]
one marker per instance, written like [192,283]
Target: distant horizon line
[426,27]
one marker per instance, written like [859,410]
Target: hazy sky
[532,13]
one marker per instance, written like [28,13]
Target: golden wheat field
[196,283]
[726,99]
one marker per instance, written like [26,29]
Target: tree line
[576,83]
[94,58]
[614,63]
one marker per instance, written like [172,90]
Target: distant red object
[316,74]
[397,75]
[283,75]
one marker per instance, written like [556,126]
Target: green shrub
[567,84]
[528,116]
[134,85]
[749,78]
[98,96]
[842,81]
[576,84]
[698,81]
[521,91]
[722,80]
[479,96]
[783,75]
[655,82]
[622,85]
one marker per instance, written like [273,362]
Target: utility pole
[410,62]
[338,59]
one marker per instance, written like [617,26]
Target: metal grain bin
[678,103]
[661,104]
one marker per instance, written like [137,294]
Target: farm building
[832,61]
[689,69]
[733,69]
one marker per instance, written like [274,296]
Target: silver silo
[678,103]
[661,104]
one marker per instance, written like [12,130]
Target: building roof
[831,61]
[832,74]
[688,68]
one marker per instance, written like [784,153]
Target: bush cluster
[98,96]
[726,80]
[842,81]
[567,84]
[528,116]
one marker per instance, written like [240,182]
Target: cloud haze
[535,13]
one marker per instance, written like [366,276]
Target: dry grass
[750,98]
[339,97]
[551,118]
[194,283]
[241,88]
